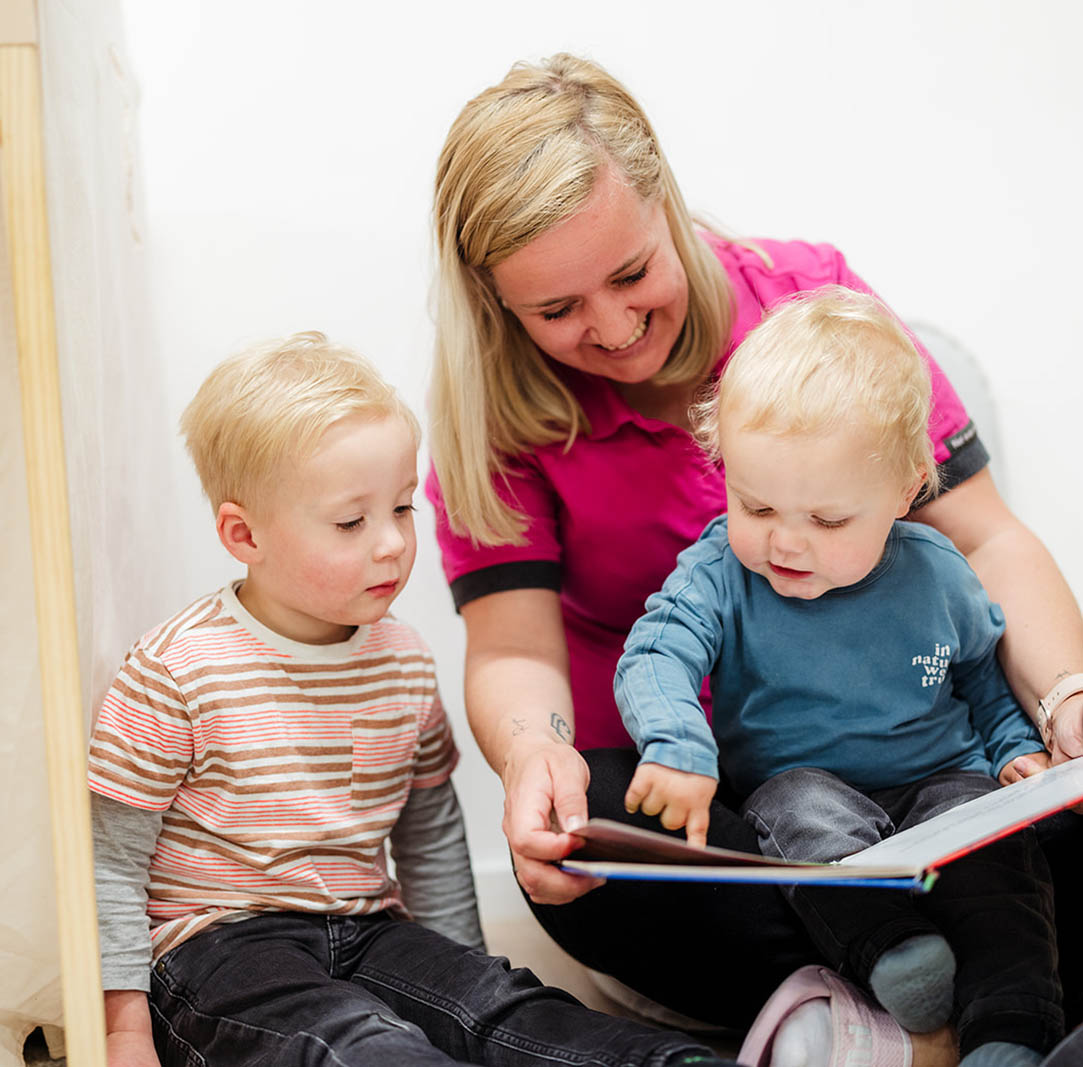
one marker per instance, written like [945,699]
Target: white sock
[915,982]
[804,1039]
[1001,1054]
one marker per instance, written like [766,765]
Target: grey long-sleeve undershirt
[428,845]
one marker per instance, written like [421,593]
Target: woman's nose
[614,323]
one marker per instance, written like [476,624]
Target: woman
[579,313]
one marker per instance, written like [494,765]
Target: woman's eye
[631,279]
[552,316]
[405,509]
[353,524]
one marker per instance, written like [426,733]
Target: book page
[615,850]
[979,821]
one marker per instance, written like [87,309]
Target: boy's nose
[786,542]
[391,543]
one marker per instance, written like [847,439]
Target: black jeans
[716,952]
[291,990]
[994,906]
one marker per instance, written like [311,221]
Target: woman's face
[604,291]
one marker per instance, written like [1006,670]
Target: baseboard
[499,898]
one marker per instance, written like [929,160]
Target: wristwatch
[1065,688]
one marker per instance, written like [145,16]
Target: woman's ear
[235,532]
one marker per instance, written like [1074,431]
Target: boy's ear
[235,532]
[911,492]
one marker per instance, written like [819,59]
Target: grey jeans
[994,906]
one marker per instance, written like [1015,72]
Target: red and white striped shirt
[280,768]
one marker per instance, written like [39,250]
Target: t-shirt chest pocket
[384,743]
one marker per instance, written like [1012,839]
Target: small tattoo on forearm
[518,727]
[560,727]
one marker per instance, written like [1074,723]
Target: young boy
[258,749]
[855,688]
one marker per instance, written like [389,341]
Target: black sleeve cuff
[966,456]
[518,574]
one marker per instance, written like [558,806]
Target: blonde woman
[579,314]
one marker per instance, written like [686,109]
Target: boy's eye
[552,316]
[829,524]
[754,512]
[353,524]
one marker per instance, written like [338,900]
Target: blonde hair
[267,407]
[521,157]
[829,360]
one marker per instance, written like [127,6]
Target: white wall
[288,160]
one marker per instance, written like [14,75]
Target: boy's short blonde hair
[268,406]
[829,360]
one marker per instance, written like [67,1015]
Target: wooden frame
[22,172]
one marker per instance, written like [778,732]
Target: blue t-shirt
[882,683]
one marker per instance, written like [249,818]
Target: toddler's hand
[1024,766]
[680,798]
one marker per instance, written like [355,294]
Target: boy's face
[809,513]
[334,543]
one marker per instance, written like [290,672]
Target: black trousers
[717,951]
[284,989]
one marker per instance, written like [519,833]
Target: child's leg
[478,1009]
[322,992]
[995,907]
[875,936]
[258,991]
[812,815]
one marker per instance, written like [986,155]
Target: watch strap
[1065,688]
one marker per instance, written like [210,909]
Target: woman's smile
[640,330]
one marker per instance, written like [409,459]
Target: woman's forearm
[517,689]
[518,698]
[1043,639]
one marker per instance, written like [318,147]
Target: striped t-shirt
[280,767]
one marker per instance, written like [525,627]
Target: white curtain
[118,467]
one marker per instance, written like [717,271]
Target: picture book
[909,859]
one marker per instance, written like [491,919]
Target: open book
[908,860]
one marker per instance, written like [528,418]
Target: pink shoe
[864,1034]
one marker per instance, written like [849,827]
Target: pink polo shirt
[608,517]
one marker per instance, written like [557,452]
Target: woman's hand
[1067,740]
[545,799]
